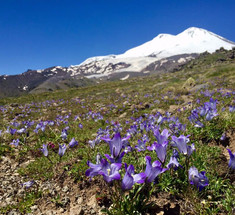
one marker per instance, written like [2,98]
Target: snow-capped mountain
[163,53]
[191,41]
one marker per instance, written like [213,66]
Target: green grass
[217,198]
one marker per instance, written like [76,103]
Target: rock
[14,105]
[126,103]
[4,160]
[65,189]
[154,111]
[199,87]
[4,183]
[49,213]
[173,108]
[117,90]
[93,211]
[166,97]
[34,207]
[9,200]
[161,111]
[190,83]
[79,200]
[21,191]
[65,201]
[13,212]
[62,210]
[122,115]
[132,107]
[92,202]
[77,210]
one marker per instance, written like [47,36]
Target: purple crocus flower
[141,145]
[62,149]
[94,169]
[152,170]
[73,142]
[152,147]
[92,143]
[44,150]
[13,131]
[64,134]
[21,131]
[161,151]
[15,142]
[130,178]
[161,137]
[181,143]
[110,171]
[173,163]
[80,125]
[223,137]
[197,179]
[191,149]
[231,163]
[115,144]
[210,115]
[117,159]
[28,184]
[231,108]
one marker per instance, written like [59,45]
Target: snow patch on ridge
[25,87]
[124,78]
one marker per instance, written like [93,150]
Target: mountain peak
[191,40]
[195,32]
[195,29]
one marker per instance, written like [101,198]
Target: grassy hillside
[187,117]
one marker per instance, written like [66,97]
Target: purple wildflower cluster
[110,169]
[110,166]
[205,112]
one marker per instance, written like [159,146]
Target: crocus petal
[173,163]
[198,179]
[73,142]
[191,149]
[44,150]
[152,147]
[117,144]
[127,181]
[181,143]
[231,163]
[148,165]
[62,149]
[139,178]
[161,151]
[28,184]
[152,172]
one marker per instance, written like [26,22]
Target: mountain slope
[165,53]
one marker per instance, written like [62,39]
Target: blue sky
[36,34]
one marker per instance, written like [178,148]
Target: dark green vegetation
[113,103]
